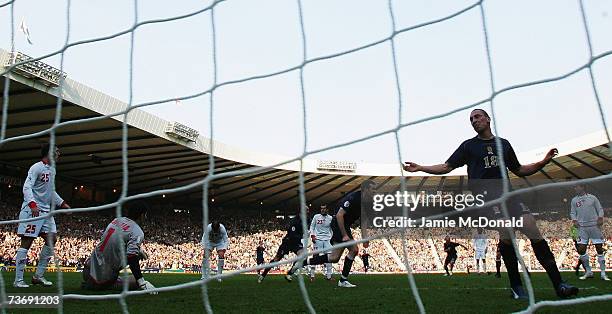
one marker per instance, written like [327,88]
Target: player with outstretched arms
[38,197]
[481,243]
[587,214]
[217,240]
[321,234]
[485,177]
[122,236]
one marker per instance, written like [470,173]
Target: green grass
[375,294]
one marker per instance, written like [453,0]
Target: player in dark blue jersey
[348,212]
[365,258]
[451,255]
[259,255]
[498,259]
[485,178]
[292,242]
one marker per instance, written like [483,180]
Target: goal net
[395,237]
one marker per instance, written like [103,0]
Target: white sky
[441,67]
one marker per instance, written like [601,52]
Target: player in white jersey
[480,243]
[38,197]
[218,240]
[587,214]
[122,236]
[321,233]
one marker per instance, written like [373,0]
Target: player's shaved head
[486,114]
[481,122]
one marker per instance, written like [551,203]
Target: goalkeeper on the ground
[122,235]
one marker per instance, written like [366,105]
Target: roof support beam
[547,175]
[291,187]
[262,180]
[586,164]
[78,144]
[599,155]
[192,176]
[306,190]
[320,195]
[558,164]
[169,161]
[104,161]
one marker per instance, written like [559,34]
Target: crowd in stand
[173,242]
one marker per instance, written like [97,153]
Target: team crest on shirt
[489,150]
[346,204]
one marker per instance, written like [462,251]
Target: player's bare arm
[527,170]
[434,169]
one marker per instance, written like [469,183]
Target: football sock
[266,270]
[602,263]
[45,255]
[586,262]
[509,256]
[220,263]
[21,259]
[547,260]
[498,266]
[578,264]
[346,269]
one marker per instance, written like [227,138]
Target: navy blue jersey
[480,156]
[365,257]
[451,248]
[294,231]
[352,207]
[260,252]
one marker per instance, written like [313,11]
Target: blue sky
[440,67]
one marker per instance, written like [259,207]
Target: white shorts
[34,228]
[592,233]
[216,245]
[480,254]
[322,244]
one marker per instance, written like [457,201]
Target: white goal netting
[389,42]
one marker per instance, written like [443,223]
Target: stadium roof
[91,153]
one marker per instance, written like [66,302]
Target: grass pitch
[460,293]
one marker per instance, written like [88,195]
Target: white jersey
[105,261]
[216,237]
[586,209]
[37,187]
[480,242]
[320,227]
